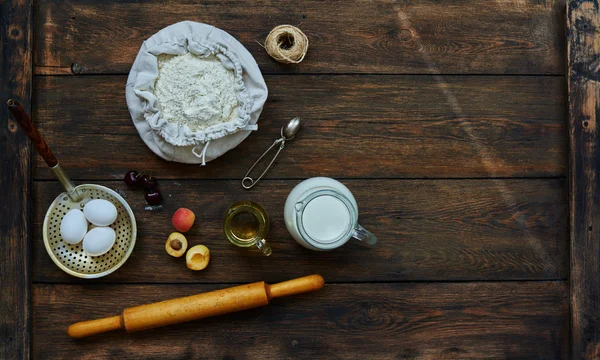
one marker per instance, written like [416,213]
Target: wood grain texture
[375,126]
[427,230]
[427,36]
[584,119]
[15,185]
[527,320]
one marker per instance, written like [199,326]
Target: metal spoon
[288,132]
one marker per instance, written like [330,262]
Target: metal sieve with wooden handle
[71,258]
[196,307]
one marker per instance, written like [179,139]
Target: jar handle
[264,247]
[362,234]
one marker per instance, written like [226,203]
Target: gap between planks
[86,181]
[62,71]
[97,283]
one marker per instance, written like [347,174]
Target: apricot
[183,219]
[176,244]
[197,257]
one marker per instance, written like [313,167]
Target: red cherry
[132,178]
[153,197]
[149,182]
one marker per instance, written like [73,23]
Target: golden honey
[246,224]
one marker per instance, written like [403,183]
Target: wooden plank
[376,126]
[584,116]
[427,230]
[15,173]
[523,320]
[401,37]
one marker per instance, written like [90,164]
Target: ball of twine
[286,44]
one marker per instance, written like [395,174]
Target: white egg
[98,241]
[100,212]
[73,226]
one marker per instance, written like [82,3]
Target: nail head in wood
[76,68]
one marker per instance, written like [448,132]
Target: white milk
[326,218]
[321,214]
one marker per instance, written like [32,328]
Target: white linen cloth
[176,142]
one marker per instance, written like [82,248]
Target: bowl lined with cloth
[194,92]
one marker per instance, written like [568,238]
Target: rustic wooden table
[449,120]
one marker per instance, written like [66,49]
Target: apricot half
[197,257]
[176,244]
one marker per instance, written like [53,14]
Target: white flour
[196,91]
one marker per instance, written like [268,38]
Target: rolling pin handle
[295,286]
[92,327]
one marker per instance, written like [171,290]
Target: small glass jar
[246,224]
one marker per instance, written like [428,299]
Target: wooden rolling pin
[196,307]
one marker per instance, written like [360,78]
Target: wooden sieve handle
[29,128]
[196,307]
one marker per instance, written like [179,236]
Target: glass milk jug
[321,214]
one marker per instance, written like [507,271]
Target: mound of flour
[196,91]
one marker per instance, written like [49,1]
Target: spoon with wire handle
[288,132]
